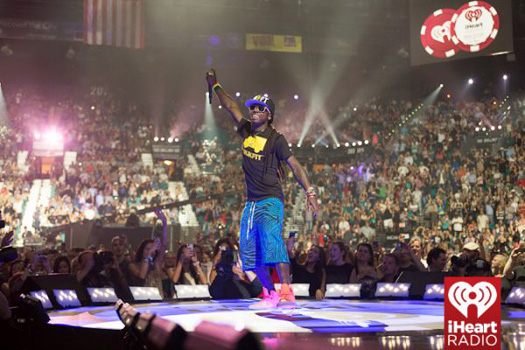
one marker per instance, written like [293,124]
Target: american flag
[114,22]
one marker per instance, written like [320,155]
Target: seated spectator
[337,270]
[437,260]
[312,272]
[390,269]
[146,270]
[417,248]
[514,273]
[119,250]
[364,264]
[62,265]
[408,260]
[187,269]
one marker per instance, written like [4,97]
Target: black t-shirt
[260,168]
[338,274]
[301,275]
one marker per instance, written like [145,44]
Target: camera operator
[97,270]
[228,281]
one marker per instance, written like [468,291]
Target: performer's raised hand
[211,77]
[312,204]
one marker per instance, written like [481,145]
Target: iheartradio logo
[474,15]
[439,33]
[481,330]
[482,294]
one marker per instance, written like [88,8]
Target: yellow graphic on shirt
[256,143]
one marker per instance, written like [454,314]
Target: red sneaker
[270,300]
[287,297]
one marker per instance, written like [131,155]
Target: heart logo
[439,33]
[474,14]
[482,294]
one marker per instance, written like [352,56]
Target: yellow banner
[277,43]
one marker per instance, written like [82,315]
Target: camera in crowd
[229,258]
[8,254]
[102,259]
[458,261]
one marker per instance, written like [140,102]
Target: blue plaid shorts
[261,237]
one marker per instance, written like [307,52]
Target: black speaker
[418,281]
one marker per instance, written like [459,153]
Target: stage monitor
[419,280]
[442,31]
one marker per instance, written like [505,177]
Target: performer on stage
[263,150]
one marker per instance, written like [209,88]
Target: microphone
[210,92]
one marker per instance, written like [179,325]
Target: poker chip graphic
[475,26]
[436,34]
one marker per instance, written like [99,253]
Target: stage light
[484,129]
[477,128]
[164,334]
[313,145]
[354,144]
[295,97]
[350,290]
[289,145]
[441,85]
[92,108]
[338,145]
[43,297]
[351,168]
[163,139]
[471,81]
[176,139]
[505,77]
[366,142]
[392,290]
[170,140]
[102,295]
[208,335]
[499,127]
[66,298]
[359,143]
[37,136]
[156,139]
[238,94]
[298,145]
[347,144]
[355,109]
[516,296]
[327,146]
[299,289]
[434,291]
[145,293]
[492,128]
[192,291]
[449,96]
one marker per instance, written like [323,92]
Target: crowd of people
[423,199]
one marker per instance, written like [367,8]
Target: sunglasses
[258,108]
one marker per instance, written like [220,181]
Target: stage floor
[340,323]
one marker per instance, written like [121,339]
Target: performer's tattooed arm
[298,172]
[302,177]
[226,100]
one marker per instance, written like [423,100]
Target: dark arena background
[122,191]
